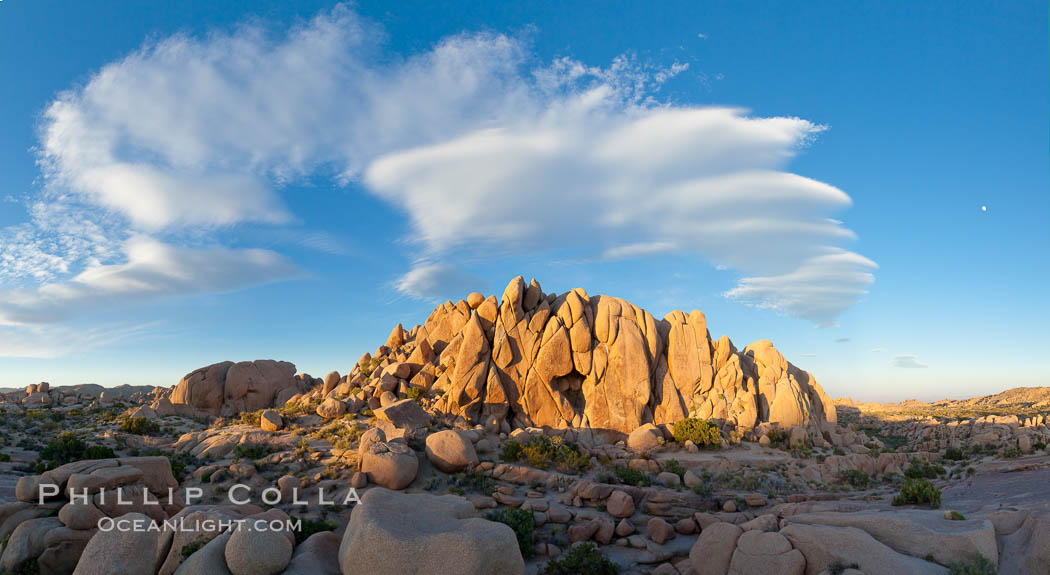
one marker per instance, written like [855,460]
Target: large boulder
[26,542]
[1026,549]
[404,414]
[229,388]
[135,551]
[713,550]
[257,551]
[318,555]
[760,552]
[823,545]
[450,452]
[917,532]
[396,533]
[208,560]
[392,465]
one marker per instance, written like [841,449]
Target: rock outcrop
[229,388]
[391,532]
[574,360]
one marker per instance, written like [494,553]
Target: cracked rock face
[574,360]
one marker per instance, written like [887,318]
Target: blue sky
[194,183]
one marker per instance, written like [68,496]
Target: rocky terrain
[534,433]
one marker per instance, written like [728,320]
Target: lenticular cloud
[484,149]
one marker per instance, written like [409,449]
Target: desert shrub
[544,452]
[250,418]
[801,451]
[700,431]
[474,481]
[918,492]
[250,451]
[308,527]
[4,458]
[583,559]
[139,426]
[1012,452]
[67,448]
[777,436]
[1039,446]
[193,546]
[631,476]
[98,452]
[976,565]
[855,478]
[416,393]
[522,523]
[953,454]
[511,451]
[672,466]
[956,516]
[924,470]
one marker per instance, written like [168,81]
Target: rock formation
[574,360]
[229,388]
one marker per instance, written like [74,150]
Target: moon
[984,208]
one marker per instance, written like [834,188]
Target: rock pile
[532,359]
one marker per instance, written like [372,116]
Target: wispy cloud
[878,350]
[843,340]
[486,149]
[907,361]
[153,270]
[437,281]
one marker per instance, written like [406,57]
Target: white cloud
[636,250]
[907,361]
[50,341]
[819,289]
[436,281]
[878,350]
[152,270]
[485,149]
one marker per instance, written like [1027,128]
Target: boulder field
[533,359]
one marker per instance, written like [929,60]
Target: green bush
[583,559]
[956,516]
[416,393]
[777,436]
[193,546]
[700,431]
[4,458]
[98,452]
[250,418]
[511,451]
[918,492]
[522,523]
[672,466]
[855,478]
[543,452]
[308,527]
[630,476]
[924,470]
[139,426]
[250,451]
[953,454]
[977,565]
[67,448]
